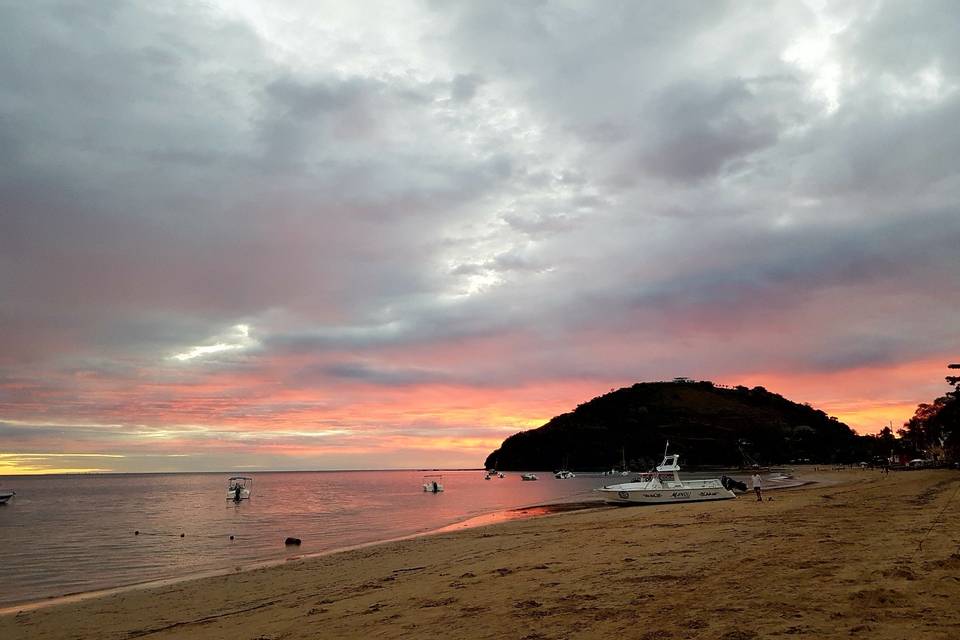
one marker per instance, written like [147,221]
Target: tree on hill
[705,423]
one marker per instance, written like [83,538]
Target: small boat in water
[238,488]
[664,486]
[6,496]
[433,484]
[528,476]
[564,475]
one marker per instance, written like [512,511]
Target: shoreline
[861,556]
[470,522]
[539,510]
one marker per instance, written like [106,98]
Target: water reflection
[76,533]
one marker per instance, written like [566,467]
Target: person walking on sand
[757,486]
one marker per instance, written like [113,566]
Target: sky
[335,235]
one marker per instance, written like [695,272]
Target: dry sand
[840,560]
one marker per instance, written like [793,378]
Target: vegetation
[705,423]
[933,433]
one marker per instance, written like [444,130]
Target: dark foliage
[934,430]
[933,433]
[706,424]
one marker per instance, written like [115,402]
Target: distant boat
[486,477]
[6,496]
[660,488]
[433,484]
[623,470]
[500,474]
[529,476]
[564,475]
[238,488]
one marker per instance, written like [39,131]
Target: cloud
[538,196]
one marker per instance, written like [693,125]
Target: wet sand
[864,555]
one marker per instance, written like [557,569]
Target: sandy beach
[865,555]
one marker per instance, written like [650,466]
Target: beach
[865,554]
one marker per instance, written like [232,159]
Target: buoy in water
[231,537]
[137,532]
[182,534]
[292,541]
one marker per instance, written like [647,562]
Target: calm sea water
[71,533]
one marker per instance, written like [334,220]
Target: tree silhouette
[934,428]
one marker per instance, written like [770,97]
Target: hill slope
[703,422]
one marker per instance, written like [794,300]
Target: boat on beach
[238,488]
[664,486]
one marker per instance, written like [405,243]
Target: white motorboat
[528,476]
[6,496]
[664,486]
[500,474]
[564,475]
[238,488]
[433,484]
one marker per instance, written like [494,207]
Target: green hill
[706,424]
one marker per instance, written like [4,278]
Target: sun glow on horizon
[20,464]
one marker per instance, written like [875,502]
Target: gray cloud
[362,372]
[560,191]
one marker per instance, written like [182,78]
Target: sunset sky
[323,235]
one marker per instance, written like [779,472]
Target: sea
[68,534]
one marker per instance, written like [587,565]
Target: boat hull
[627,494]
[5,496]
[244,494]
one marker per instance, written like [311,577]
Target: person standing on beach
[757,486]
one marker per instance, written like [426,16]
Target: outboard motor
[732,485]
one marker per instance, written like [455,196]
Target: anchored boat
[5,496]
[664,486]
[238,488]
[432,483]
